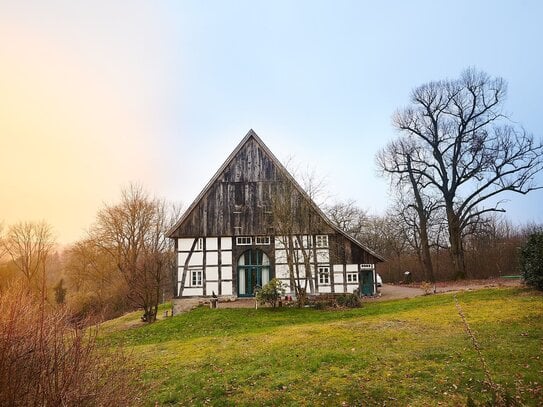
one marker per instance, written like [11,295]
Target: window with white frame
[199,244]
[262,240]
[352,277]
[321,241]
[244,240]
[196,278]
[324,275]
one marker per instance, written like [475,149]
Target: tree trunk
[425,256]
[455,239]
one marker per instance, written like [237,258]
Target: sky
[97,95]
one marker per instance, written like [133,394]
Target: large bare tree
[133,234]
[468,149]
[404,163]
[29,245]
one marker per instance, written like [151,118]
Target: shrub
[271,293]
[531,260]
[349,300]
[47,361]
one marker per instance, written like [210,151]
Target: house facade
[253,222]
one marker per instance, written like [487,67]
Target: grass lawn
[406,352]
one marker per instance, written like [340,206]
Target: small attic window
[244,240]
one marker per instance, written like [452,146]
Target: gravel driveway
[396,292]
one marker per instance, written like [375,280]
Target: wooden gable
[238,199]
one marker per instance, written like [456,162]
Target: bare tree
[404,163]
[348,217]
[95,284]
[133,234]
[472,153]
[295,219]
[292,217]
[29,245]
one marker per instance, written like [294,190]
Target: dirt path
[395,292]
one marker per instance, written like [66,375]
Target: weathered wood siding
[240,201]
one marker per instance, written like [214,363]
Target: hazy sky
[95,95]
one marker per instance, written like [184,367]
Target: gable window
[196,278]
[321,241]
[262,240]
[244,240]
[324,275]
[352,277]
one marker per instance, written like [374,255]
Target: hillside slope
[407,352]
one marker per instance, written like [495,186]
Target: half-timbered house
[253,222]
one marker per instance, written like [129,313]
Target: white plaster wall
[193,291]
[226,272]
[213,286]
[226,288]
[338,277]
[279,243]
[212,273]
[181,258]
[197,259]
[226,243]
[338,288]
[212,243]
[280,256]
[323,256]
[351,287]
[212,258]
[352,268]
[226,257]
[281,271]
[325,289]
[184,244]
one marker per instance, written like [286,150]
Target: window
[244,241]
[263,240]
[199,244]
[352,277]
[324,275]
[321,240]
[196,278]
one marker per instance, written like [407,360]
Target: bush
[531,260]
[47,361]
[271,293]
[349,300]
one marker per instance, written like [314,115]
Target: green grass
[402,352]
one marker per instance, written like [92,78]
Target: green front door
[253,272]
[368,285]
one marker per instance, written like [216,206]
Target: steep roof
[252,136]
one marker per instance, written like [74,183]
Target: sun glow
[67,141]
